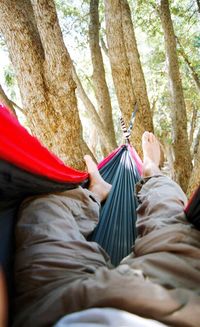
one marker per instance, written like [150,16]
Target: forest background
[70,69]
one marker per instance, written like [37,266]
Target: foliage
[10,81]
[2,42]
[74,21]
[151,46]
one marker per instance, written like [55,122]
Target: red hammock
[26,152]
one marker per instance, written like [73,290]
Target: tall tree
[99,80]
[118,59]
[44,73]
[126,67]
[182,164]
[137,75]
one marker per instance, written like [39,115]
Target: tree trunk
[137,75]
[196,143]
[93,141]
[6,101]
[44,74]
[194,181]
[123,54]
[193,125]
[99,80]
[182,164]
[170,159]
[104,47]
[118,59]
[92,114]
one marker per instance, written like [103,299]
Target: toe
[145,136]
[151,138]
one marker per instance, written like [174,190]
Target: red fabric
[133,153]
[136,158]
[192,199]
[18,147]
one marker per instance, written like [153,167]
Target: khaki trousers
[57,271]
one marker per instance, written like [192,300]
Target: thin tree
[194,181]
[93,114]
[99,80]
[193,124]
[182,163]
[137,75]
[127,72]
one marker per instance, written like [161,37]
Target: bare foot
[151,153]
[97,184]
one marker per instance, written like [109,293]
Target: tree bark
[182,164]
[43,70]
[170,159]
[196,143]
[137,75]
[99,80]
[126,68]
[118,59]
[6,101]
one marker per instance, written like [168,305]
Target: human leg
[161,278]
[52,252]
[65,287]
[160,198]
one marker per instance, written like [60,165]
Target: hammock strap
[127,132]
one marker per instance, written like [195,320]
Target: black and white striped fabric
[127,132]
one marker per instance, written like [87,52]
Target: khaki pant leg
[52,251]
[161,199]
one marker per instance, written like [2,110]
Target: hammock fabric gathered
[27,168]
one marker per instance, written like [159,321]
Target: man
[57,271]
